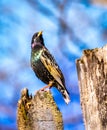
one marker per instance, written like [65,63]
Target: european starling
[45,66]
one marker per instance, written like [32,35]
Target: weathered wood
[39,112]
[92,76]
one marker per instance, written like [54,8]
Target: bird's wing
[49,62]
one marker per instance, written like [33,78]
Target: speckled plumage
[45,66]
[40,70]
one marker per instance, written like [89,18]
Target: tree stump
[92,76]
[39,112]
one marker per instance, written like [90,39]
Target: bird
[45,66]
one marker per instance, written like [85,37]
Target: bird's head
[37,39]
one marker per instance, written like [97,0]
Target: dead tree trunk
[92,76]
[38,113]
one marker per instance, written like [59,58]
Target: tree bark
[38,113]
[99,2]
[92,76]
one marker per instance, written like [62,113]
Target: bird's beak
[40,33]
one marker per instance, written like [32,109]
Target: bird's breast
[39,68]
[35,56]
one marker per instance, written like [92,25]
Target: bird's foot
[48,86]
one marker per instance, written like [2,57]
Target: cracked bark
[38,113]
[92,76]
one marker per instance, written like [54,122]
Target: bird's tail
[65,94]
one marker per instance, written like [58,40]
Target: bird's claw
[44,89]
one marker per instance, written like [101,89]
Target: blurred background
[69,27]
